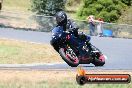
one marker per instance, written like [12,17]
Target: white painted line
[29,65]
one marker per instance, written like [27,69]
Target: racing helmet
[61,18]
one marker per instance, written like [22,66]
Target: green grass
[20,5]
[11,50]
[63,84]
[52,79]
[126,16]
[72,10]
[14,52]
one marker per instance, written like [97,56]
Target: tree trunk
[0,5]
[1,1]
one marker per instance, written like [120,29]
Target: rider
[73,29]
[61,20]
[60,30]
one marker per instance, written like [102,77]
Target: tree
[47,7]
[109,10]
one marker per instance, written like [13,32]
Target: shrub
[109,10]
[127,2]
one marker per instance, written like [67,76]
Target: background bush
[109,10]
[127,2]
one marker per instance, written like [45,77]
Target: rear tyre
[99,60]
[69,57]
[98,63]
[98,57]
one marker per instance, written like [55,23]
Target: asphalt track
[117,50]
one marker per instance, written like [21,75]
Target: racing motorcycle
[79,52]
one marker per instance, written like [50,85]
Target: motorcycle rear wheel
[99,61]
[98,57]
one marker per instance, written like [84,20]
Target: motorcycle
[79,52]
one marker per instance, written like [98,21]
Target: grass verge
[16,52]
[16,5]
[126,17]
[51,79]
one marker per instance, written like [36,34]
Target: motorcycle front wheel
[69,56]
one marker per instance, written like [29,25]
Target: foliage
[127,2]
[72,2]
[109,10]
[47,7]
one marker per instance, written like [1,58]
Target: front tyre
[69,56]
